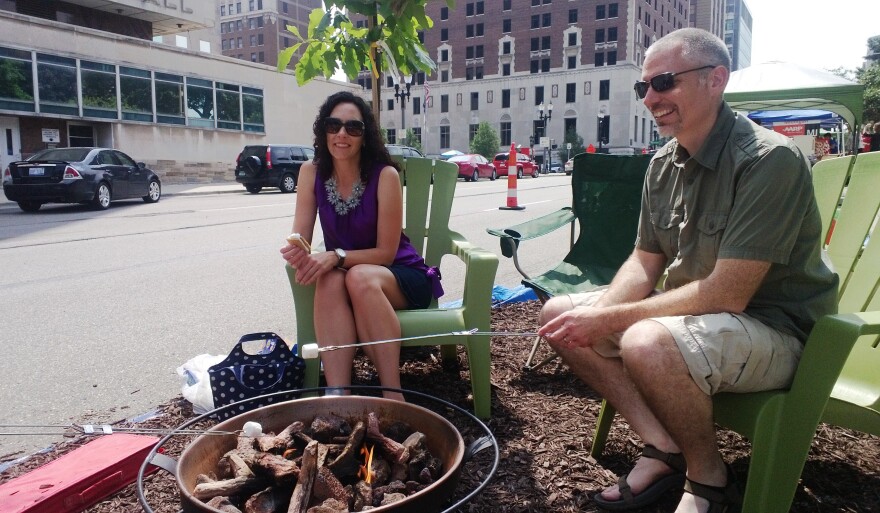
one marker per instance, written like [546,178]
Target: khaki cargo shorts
[724,352]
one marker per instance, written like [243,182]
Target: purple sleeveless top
[358,229]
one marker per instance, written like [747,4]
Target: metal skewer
[311,351]
[102,429]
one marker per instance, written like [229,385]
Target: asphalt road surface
[98,309]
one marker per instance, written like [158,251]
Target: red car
[472,167]
[524,165]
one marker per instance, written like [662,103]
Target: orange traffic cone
[511,181]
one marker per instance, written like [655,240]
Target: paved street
[99,308]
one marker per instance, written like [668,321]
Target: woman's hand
[309,267]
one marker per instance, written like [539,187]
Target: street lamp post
[601,127]
[545,119]
[401,92]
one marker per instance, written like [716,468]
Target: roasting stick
[310,351]
[249,429]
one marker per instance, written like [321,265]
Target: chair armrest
[532,228]
[825,353]
[480,268]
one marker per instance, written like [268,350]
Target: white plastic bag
[195,383]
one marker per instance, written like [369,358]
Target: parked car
[79,175]
[524,165]
[271,165]
[569,166]
[472,167]
[556,167]
[404,152]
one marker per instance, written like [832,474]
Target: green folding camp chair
[426,218]
[606,198]
[838,378]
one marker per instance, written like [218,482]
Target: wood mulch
[543,421]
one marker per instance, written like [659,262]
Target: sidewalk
[180,189]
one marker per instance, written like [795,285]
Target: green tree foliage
[486,141]
[577,144]
[334,41]
[412,140]
[870,78]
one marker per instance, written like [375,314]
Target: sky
[818,34]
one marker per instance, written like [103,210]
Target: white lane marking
[521,205]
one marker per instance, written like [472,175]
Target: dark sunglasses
[353,127]
[661,82]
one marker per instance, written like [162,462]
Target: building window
[572,39]
[391,135]
[572,62]
[536,21]
[600,12]
[505,98]
[505,5]
[572,15]
[444,76]
[600,35]
[570,90]
[506,137]
[546,19]
[417,133]
[545,43]
[612,34]
[444,104]
[444,34]
[475,101]
[98,89]
[469,31]
[505,26]
[612,10]
[200,102]
[390,104]
[417,105]
[505,48]
[545,65]
[444,136]
[612,58]
[599,59]
[604,89]
[505,70]
[472,131]
[536,44]
[444,55]
[444,13]
[539,95]
[535,66]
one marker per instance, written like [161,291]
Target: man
[728,213]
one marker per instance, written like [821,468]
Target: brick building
[255,30]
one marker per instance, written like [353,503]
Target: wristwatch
[340,255]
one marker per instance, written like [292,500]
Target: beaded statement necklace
[340,205]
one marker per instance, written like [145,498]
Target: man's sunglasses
[353,127]
[661,82]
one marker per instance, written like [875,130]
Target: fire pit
[441,439]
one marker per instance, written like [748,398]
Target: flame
[364,471]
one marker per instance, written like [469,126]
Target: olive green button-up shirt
[746,194]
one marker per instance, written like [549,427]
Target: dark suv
[271,165]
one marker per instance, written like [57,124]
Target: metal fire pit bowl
[443,440]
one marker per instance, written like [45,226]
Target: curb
[195,189]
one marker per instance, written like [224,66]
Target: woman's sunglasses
[353,127]
[661,82]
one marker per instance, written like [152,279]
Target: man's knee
[554,307]
[645,341]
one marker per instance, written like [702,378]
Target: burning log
[280,469]
[330,506]
[223,504]
[327,486]
[302,493]
[325,427]
[393,450]
[282,441]
[227,487]
[346,463]
[267,501]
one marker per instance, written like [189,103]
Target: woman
[369,269]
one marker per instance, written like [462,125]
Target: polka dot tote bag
[259,364]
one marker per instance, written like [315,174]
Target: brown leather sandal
[654,491]
[722,499]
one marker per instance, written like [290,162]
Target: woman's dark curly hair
[373,151]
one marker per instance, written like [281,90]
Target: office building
[256,30]
[87,73]
[500,60]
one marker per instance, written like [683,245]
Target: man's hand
[582,326]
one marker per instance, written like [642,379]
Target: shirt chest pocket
[710,230]
[667,225]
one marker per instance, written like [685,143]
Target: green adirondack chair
[426,219]
[838,378]
[606,198]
